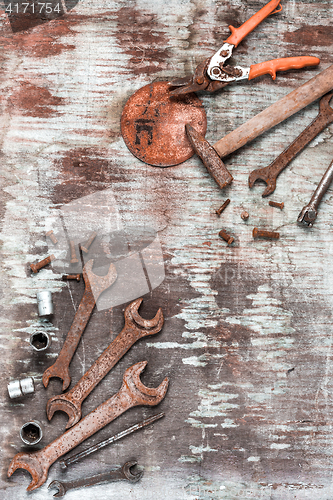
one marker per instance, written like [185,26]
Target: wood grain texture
[247,341]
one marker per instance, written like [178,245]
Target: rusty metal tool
[309,213]
[64,463]
[276,113]
[42,263]
[222,207]
[122,473]
[271,116]
[226,237]
[263,233]
[209,157]
[152,124]
[132,393]
[134,329]
[94,286]
[87,245]
[212,74]
[269,174]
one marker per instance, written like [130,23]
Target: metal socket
[18,388]
[44,302]
[40,341]
[31,433]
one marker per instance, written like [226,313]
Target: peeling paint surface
[247,340]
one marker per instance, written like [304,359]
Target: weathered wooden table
[247,341]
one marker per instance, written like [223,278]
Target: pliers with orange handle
[212,74]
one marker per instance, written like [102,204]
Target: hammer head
[209,157]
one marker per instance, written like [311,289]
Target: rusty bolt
[66,277]
[42,263]
[238,72]
[223,53]
[74,259]
[222,207]
[226,237]
[276,204]
[85,248]
[262,233]
[245,215]
[52,237]
[216,70]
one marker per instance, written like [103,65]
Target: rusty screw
[223,53]
[245,215]
[42,263]
[276,204]
[52,237]
[216,71]
[66,277]
[222,207]
[85,248]
[226,237]
[74,259]
[262,233]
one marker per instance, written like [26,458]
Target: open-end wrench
[309,212]
[269,174]
[135,328]
[94,286]
[119,474]
[132,393]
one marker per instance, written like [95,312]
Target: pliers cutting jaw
[212,74]
[199,81]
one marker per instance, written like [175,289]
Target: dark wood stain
[144,38]
[34,101]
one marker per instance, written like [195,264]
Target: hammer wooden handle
[276,113]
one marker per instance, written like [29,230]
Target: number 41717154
[38,7]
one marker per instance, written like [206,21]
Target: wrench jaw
[152,326]
[61,403]
[130,476]
[57,370]
[324,103]
[257,175]
[97,283]
[29,462]
[150,396]
[61,488]
[308,215]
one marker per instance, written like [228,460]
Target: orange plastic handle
[237,34]
[283,64]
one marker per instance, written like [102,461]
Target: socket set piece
[18,388]
[40,341]
[31,433]
[44,303]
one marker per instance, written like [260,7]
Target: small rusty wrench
[269,174]
[119,474]
[132,393]
[309,213]
[94,286]
[135,328]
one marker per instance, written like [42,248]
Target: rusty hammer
[267,119]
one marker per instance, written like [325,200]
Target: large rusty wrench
[132,393]
[135,328]
[94,286]
[269,174]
